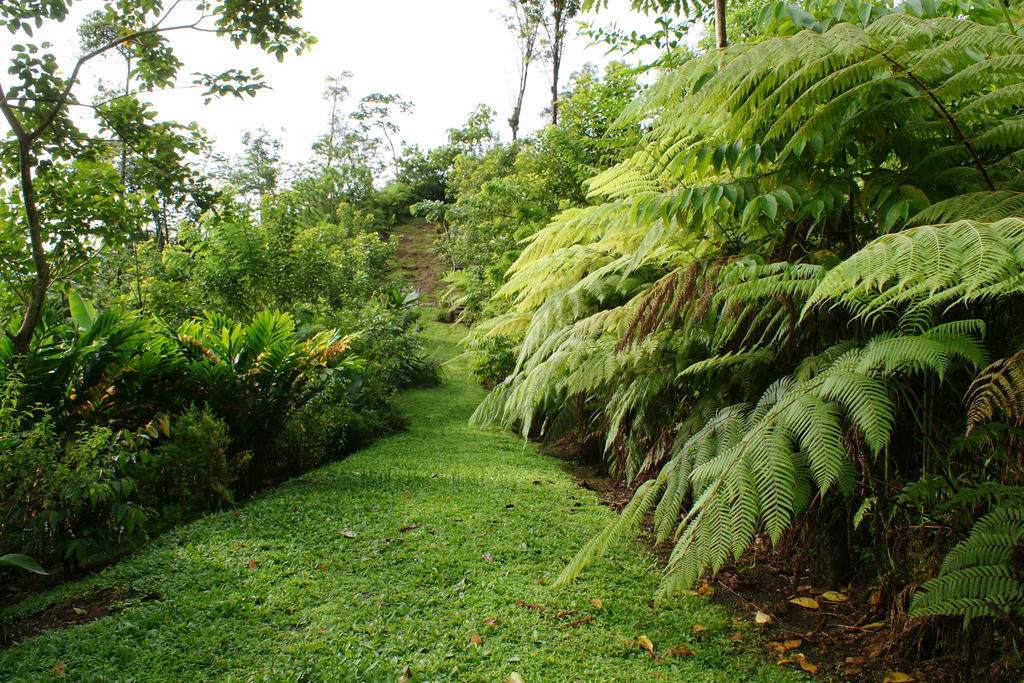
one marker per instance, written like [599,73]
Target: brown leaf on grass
[475,640]
[792,643]
[805,664]
[809,603]
[579,622]
[488,557]
[406,494]
[736,637]
[705,589]
[700,628]
[566,613]
[491,621]
[252,564]
[527,605]
[541,582]
[409,528]
[597,603]
[348,534]
[762,619]
[645,643]
[241,545]
[60,669]
[898,677]
[513,678]
[680,651]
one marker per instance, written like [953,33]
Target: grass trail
[394,558]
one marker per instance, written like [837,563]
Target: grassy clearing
[393,558]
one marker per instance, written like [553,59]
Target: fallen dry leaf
[809,603]
[874,624]
[475,640]
[785,661]
[792,644]
[488,557]
[762,618]
[409,528]
[834,596]
[736,637]
[645,643]
[348,534]
[513,678]
[876,599]
[252,564]
[681,651]
[523,603]
[579,622]
[705,589]
[898,677]
[597,603]
[60,669]
[700,628]
[406,494]
[853,661]
[79,610]
[805,664]
[491,621]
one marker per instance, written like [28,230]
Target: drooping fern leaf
[1000,386]
[983,576]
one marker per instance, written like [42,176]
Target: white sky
[446,56]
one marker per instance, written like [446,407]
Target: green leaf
[82,311]
[22,562]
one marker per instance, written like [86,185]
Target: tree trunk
[720,37]
[37,295]
[556,56]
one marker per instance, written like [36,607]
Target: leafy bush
[192,468]
[70,500]
[256,376]
[492,358]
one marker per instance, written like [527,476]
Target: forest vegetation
[764,268]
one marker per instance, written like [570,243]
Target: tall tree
[376,115]
[720,37]
[57,166]
[336,92]
[556,26]
[524,22]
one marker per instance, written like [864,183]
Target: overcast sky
[446,56]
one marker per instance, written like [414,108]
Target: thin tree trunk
[41,282]
[556,57]
[720,38]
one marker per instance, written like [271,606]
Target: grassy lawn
[395,558]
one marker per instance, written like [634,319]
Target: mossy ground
[393,559]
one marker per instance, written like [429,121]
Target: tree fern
[999,387]
[983,575]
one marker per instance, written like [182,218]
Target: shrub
[192,468]
[492,358]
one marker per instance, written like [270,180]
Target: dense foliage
[177,339]
[774,308]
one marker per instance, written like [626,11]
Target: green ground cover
[395,557]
